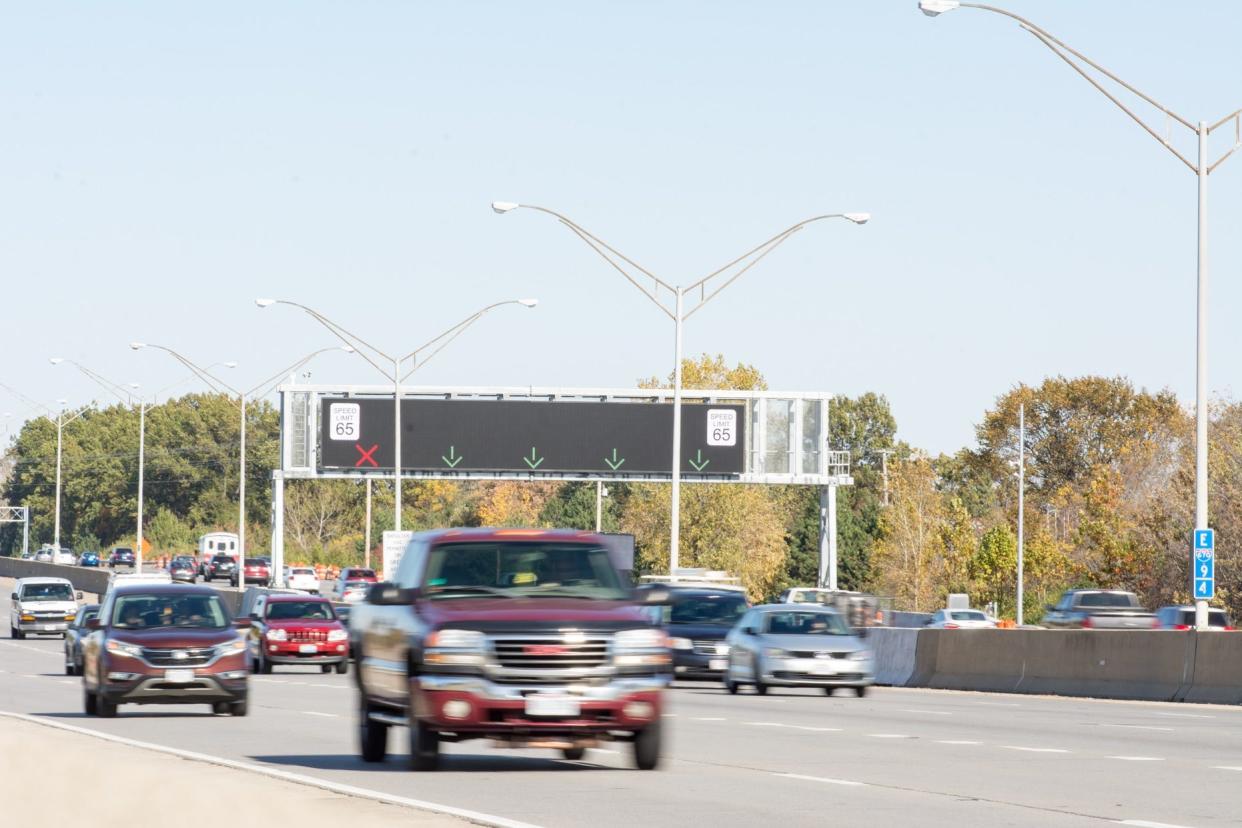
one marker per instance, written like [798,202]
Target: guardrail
[1153,665]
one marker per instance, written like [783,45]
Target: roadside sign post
[1203,569]
[394,547]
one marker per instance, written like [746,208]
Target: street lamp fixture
[504,206]
[935,8]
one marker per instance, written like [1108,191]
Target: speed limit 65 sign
[721,427]
[344,420]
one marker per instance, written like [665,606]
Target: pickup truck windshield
[511,569]
[47,592]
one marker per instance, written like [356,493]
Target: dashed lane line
[1145,823]
[1035,749]
[1138,758]
[928,712]
[826,779]
[957,742]
[1136,727]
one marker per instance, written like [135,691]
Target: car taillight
[1181,626]
[1228,629]
[951,626]
[1086,623]
[1155,623]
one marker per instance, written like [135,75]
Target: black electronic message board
[538,437]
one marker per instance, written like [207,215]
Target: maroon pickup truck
[529,637]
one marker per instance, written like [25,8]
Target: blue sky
[163,164]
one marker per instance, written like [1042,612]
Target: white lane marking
[1138,758]
[317,713]
[709,718]
[1143,823]
[67,681]
[27,647]
[889,736]
[957,742]
[1138,727]
[1184,715]
[763,724]
[296,778]
[1226,767]
[928,712]
[998,704]
[1035,750]
[827,779]
[795,727]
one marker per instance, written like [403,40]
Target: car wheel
[89,704]
[828,691]
[220,708]
[731,686]
[372,735]
[760,687]
[424,747]
[238,708]
[342,667]
[861,691]
[105,708]
[69,671]
[573,754]
[325,668]
[14,632]
[263,665]
[647,747]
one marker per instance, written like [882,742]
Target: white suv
[301,578]
[42,605]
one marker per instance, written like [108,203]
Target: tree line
[1109,496]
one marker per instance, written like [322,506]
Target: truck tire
[105,708]
[861,690]
[238,708]
[647,747]
[89,705]
[424,746]
[573,754]
[372,736]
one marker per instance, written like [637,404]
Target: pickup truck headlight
[337,635]
[457,639]
[455,648]
[277,635]
[121,648]
[681,644]
[647,638]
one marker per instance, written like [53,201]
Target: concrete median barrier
[894,651]
[1217,673]
[86,579]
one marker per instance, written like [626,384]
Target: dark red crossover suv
[164,644]
[297,629]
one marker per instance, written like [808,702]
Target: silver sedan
[793,645]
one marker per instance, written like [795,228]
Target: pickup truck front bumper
[477,706]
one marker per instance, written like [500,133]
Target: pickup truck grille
[194,656]
[550,653]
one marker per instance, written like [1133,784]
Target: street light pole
[360,346]
[627,267]
[1021,502]
[1202,168]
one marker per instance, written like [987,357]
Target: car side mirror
[79,595]
[388,594]
[241,623]
[748,630]
[13,597]
[1050,608]
[94,624]
[862,632]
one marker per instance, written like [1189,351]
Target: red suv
[164,644]
[297,629]
[257,571]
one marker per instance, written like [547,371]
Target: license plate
[544,704]
[47,626]
[179,676]
[823,669]
[717,663]
[308,648]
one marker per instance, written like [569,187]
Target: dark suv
[164,644]
[220,566]
[121,556]
[697,621]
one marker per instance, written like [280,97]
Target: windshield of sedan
[723,610]
[804,623]
[142,611]
[509,569]
[967,615]
[47,592]
[290,610]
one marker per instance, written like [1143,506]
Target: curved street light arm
[46,410]
[351,339]
[1046,36]
[449,335]
[1049,41]
[125,395]
[268,384]
[214,382]
[628,277]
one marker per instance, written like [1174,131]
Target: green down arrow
[614,463]
[453,458]
[698,462]
[534,461]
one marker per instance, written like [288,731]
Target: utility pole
[1021,502]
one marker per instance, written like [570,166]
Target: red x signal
[367,455]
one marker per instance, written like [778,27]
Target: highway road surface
[794,757]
